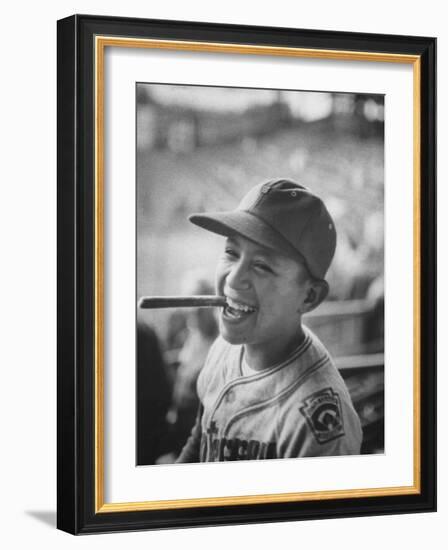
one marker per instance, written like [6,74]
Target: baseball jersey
[299,407]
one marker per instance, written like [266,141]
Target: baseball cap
[281,215]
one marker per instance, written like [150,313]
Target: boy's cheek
[219,282]
[219,286]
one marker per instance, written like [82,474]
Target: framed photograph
[246,274]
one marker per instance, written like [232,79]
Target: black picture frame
[79,495]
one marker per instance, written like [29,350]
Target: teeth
[239,306]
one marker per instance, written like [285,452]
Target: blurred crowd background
[203,148]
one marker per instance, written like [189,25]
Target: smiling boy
[269,388]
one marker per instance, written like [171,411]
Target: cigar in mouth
[160,302]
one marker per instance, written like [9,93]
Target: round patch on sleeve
[323,414]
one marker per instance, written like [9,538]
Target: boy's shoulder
[321,402]
[318,374]
[222,364]
[221,353]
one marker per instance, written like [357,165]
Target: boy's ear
[317,293]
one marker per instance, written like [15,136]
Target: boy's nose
[238,276]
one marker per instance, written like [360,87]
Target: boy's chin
[231,337]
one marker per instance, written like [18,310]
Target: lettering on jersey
[323,414]
[215,448]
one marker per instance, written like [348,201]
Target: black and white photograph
[223,275]
[260,274]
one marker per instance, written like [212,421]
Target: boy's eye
[230,252]
[263,267]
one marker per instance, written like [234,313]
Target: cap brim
[245,224]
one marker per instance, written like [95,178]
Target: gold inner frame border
[100,44]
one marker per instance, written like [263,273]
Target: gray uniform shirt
[297,408]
